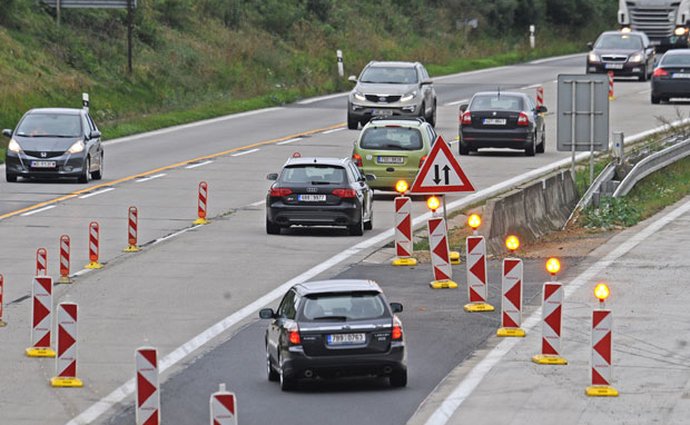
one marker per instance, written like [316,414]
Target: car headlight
[14,146]
[593,57]
[680,31]
[408,96]
[637,57]
[77,147]
[359,96]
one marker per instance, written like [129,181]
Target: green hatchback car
[393,149]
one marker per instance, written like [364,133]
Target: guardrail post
[618,147]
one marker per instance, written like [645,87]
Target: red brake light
[344,193]
[279,192]
[357,158]
[293,337]
[660,72]
[422,159]
[523,120]
[466,118]
[397,333]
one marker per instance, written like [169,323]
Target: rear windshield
[50,125]
[313,174]
[676,60]
[389,75]
[344,306]
[391,139]
[619,41]
[497,102]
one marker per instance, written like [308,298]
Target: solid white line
[32,212]
[257,203]
[533,86]
[98,192]
[457,102]
[155,176]
[285,142]
[320,98]
[540,61]
[172,235]
[198,164]
[333,130]
[245,152]
[446,410]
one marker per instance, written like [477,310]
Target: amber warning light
[474,221]
[601,291]
[401,187]
[433,203]
[553,266]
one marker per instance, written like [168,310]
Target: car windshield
[313,174]
[389,75]
[675,60]
[391,139]
[50,125]
[344,306]
[496,102]
[619,41]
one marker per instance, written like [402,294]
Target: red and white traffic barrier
[440,256]
[551,314]
[132,230]
[223,406]
[611,96]
[41,262]
[94,246]
[476,274]
[540,96]
[148,395]
[403,232]
[511,298]
[202,204]
[41,317]
[2,305]
[64,259]
[602,322]
[66,360]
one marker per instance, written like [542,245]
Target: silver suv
[391,88]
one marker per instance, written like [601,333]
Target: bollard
[2,305]
[511,299]
[476,275]
[41,317]
[147,393]
[440,258]
[531,37]
[551,314]
[339,56]
[202,204]
[94,235]
[611,96]
[132,223]
[601,355]
[41,262]
[540,96]
[66,360]
[223,405]
[403,232]
[64,259]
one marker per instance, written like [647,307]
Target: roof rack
[399,118]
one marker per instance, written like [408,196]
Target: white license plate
[311,198]
[390,160]
[346,339]
[494,121]
[681,75]
[613,66]
[382,112]
[43,164]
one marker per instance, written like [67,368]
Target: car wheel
[85,175]
[97,175]
[464,149]
[656,100]
[11,178]
[352,123]
[398,378]
[370,223]
[273,376]
[432,117]
[643,74]
[529,151]
[286,384]
[541,147]
[272,228]
[357,229]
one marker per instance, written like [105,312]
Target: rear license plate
[681,75]
[614,66]
[494,121]
[43,164]
[390,160]
[382,112]
[346,339]
[311,198]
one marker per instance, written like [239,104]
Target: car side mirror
[427,82]
[590,45]
[352,79]
[464,107]
[267,313]
[7,132]
[95,134]
[541,109]
[272,176]
[370,177]
[396,307]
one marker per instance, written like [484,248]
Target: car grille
[37,154]
[382,98]
[655,21]
[614,58]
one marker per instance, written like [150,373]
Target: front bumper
[66,165]
[670,88]
[474,138]
[344,214]
[627,70]
[364,111]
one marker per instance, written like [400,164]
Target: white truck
[666,22]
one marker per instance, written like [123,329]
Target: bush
[612,212]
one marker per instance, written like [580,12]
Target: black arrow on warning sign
[437,174]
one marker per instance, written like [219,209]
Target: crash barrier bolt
[66,360]
[64,259]
[611,96]
[551,315]
[94,235]
[223,406]
[132,224]
[148,395]
[476,275]
[41,317]
[202,204]
[2,290]
[440,258]
[511,298]
[403,232]
[41,262]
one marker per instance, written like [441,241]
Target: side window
[287,305]
[91,123]
[431,133]
[425,75]
[354,171]
[86,126]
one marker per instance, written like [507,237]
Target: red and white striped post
[602,347]
[2,305]
[611,95]
[41,317]
[64,259]
[41,262]
[223,405]
[551,314]
[511,298]
[132,225]
[440,256]
[202,204]
[148,395]
[540,96]
[475,247]
[66,360]
[94,236]
[403,232]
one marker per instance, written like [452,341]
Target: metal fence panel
[591,111]
[91,4]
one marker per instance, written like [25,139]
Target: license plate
[43,164]
[614,66]
[346,339]
[390,160]
[654,42]
[382,112]
[681,75]
[311,198]
[494,121]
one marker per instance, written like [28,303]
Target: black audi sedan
[499,119]
[54,143]
[334,328]
[623,53]
[671,78]
[319,192]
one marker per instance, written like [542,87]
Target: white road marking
[294,139]
[32,212]
[457,102]
[446,410]
[172,235]
[320,98]
[155,176]
[333,130]
[540,61]
[257,203]
[648,90]
[198,164]
[98,192]
[245,152]
[533,86]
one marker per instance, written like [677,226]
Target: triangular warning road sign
[441,172]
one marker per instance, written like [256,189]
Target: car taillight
[422,159]
[344,193]
[397,333]
[660,72]
[523,120]
[466,118]
[293,336]
[279,192]
[357,158]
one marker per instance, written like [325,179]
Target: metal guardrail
[92,4]
[650,164]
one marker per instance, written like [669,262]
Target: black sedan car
[317,192]
[624,53]
[334,328]
[54,142]
[672,76]
[502,120]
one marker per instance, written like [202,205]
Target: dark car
[335,328]
[624,53]
[54,142]
[671,78]
[502,120]
[317,192]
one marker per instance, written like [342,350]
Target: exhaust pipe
[308,373]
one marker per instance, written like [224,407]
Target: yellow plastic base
[66,382]
[131,248]
[442,284]
[407,261]
[478,307]
[549,359]
[3,324]
[454,257]
[200,221]
[93,265]
[515,332]
[64,280]
[601,391]
[40,352]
